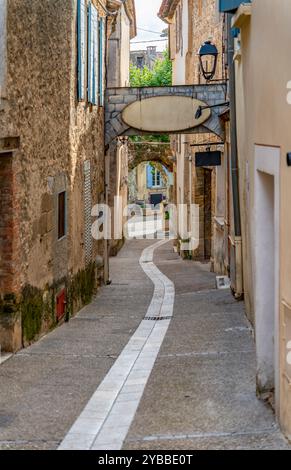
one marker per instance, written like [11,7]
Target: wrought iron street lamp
[208,54]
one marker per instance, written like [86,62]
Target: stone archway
[159,152]
[139,154]
[118,99]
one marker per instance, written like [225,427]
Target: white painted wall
[125,49]
[266,253]
[179,64]
[3,46]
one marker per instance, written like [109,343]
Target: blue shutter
[92,54]
[81,32]
[95,56]
[101,60]
[149,176]
[228,6]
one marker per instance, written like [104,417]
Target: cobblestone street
[184,382]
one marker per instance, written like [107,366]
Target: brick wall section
[117,99]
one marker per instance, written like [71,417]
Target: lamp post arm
[201,108]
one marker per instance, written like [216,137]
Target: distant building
[145,58]
[149,184]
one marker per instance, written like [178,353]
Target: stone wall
[205,23]
[57,136]
[3,55]
[196,21]
[154,152]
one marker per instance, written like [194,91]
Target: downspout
[106,269]
[234,164]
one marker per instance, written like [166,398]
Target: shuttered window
[149,176]
[61,215]
[101,60]
[81,31]
[93,58]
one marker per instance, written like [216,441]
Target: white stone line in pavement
[106,419]
[4,357]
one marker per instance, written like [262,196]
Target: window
[93,56]
[177,23]
[157,178]
[140,62]
[179,29]
[154,177]
[102,40]
[61,215]
[81,30]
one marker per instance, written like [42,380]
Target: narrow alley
[145,256]
[198,393]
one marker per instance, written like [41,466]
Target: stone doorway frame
[266,162]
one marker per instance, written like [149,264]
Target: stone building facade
[145,58]
[263,107]
[123,29]
[257,257]
[191,23]
[52,164]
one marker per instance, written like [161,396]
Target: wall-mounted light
[208,54]
[289,159]
[200,109]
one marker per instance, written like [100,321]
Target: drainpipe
[234,164]
[106,268]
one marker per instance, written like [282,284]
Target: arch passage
[117,99]
[150,152]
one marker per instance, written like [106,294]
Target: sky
[146,12]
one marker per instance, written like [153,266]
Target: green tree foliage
[160,75]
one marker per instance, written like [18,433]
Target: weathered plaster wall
[3,44]
[264,119]
[179,64]
[125,48]
[57,135]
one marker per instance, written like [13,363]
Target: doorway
[266,267]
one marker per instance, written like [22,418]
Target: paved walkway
[184,382]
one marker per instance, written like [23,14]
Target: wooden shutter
[150,176]
[101,60]
[92,54]
[81,32]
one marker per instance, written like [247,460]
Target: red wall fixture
[61,304]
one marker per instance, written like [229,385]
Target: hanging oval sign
[165,114]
